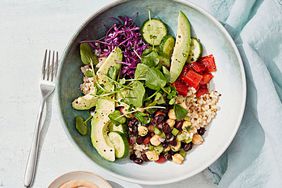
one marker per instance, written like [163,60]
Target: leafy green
[151,110]
[142,117]
[151,59]
[159,98]
[164,61]
[141,71]
[135,95]
[171,101]
[180,112]
[112,73]
[81,125]
[116,117]
[166,73]
[147,51]
[87,55]
[88,73]
[154,79]
[122,81]
[171,92]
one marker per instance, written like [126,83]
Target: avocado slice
[105,106]
[113,60]
[84,102]
[182,47]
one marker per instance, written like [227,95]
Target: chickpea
[142,130]
[177,158]
[170,122]
[155,140]
[152,155]
[171,114]
[197,139]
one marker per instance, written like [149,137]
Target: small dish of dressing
[79,179]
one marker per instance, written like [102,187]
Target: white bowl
[229,80]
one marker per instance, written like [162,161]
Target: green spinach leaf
[180,112]
[154,79]
[135,95]
[88,73]
[142,117]
[159,98]
[87,55]
[112,73]
[151,59]
[166,73]
[116,117]
[80,125]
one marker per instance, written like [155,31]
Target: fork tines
[49,69]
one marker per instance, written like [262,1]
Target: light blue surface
[254,159]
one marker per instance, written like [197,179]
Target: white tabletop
[27,28]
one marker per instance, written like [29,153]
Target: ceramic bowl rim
[219,152]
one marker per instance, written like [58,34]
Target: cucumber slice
[153,31]
[120,144]
[118,128]
[195,51]
[167,45]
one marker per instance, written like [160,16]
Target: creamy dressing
[78,184]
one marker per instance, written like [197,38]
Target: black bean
[166,128]
[132,140]
[138,161]
[168,136]
[134,130]
[160,113]
[168,156]
[188,146]
[139,140]
[132,157]
[160,125]
[173,142]
[201,131]
[133,123]
[158,117]
[165,144]
[144,157]
[178,125]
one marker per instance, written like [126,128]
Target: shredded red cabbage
[126,35]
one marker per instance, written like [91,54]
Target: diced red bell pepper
[209,62]
[206,78]
[192,78]
[202,90]
[162,159]
[198,67]
[181,87]
[147,140]
[185,70]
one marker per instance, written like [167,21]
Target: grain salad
[146,91]
[201,111]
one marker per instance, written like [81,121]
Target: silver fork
[47,86]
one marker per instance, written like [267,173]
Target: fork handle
[33,154]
